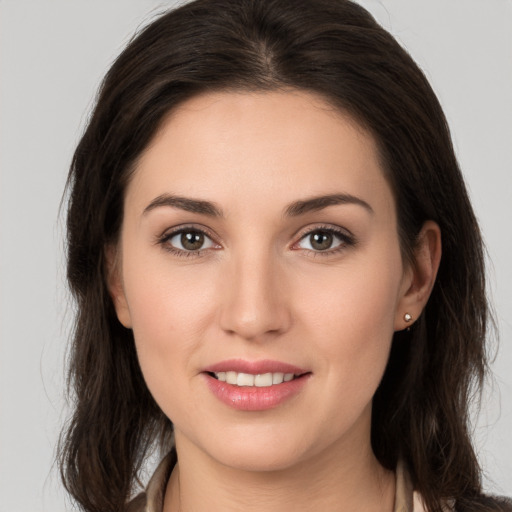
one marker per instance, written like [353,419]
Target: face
[260,270]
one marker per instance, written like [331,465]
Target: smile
[255,385]
[249,380]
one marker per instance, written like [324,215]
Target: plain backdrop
[53,54]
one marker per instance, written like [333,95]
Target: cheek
[170,308]
[350,313]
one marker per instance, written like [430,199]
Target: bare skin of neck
[343,478]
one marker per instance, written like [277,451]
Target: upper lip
[254,367]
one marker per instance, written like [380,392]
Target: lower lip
[252,398]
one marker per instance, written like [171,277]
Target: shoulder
[475,504]
[137,504]
[419,504]
[485,504]
[151,500]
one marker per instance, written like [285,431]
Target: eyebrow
[320,202]
[185,203]
[294,209]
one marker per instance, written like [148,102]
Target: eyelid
[169,233]
[346,237]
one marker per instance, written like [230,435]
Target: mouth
[260,380]
[255,385]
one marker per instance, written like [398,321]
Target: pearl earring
[407,317]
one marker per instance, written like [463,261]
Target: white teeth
[277,378]
[245,379]
[261,380]
[231,377]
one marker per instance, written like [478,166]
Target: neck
[343,478]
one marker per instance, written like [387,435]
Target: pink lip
[254,367]
[252,398]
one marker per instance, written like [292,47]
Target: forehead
[236,147]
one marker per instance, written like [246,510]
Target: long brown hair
[336,49]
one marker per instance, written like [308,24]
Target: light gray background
[53,54]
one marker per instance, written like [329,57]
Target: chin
[257,459]
[261,452]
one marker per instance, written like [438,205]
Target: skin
[259,290]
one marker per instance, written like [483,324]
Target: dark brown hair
[333,48]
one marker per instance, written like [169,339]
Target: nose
[255,306]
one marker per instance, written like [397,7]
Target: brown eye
[321,240]
[190,240]
[325,240]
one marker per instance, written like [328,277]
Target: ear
[115,285]
[419,276]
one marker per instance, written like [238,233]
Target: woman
[278,272]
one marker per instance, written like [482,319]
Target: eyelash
[346,240]
[167,236]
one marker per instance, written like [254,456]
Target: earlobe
[420,277]
[115,285]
